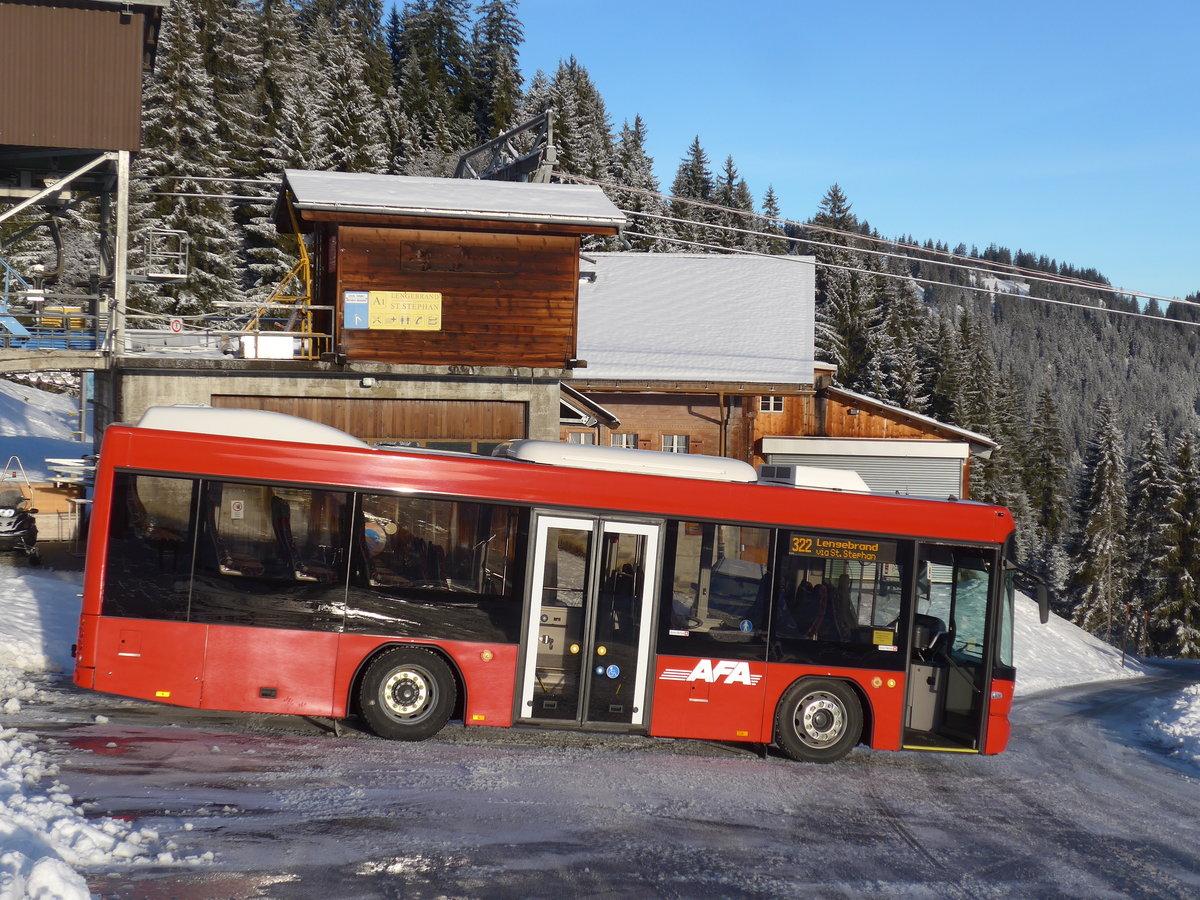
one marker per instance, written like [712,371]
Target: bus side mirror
[1043,601]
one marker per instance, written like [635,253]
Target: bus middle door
[587,643]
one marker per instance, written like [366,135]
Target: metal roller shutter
[918,476]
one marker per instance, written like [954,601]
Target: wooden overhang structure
[72,72]
[437,271]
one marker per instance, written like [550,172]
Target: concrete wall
[123,394]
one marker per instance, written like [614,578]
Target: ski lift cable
[880,253]
[925,254]
[738,250]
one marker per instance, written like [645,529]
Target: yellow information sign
[404,311]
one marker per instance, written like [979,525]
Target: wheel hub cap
[407,693]
[821,721]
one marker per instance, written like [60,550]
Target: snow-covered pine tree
[357,127]
[181,145]
[847,310]
[362,22]
[905,322]
[769,225]
[733,194]
[435,87]
[1150,490]
[1101,563]
[430,135]
[1175,618]
[633,168]
[693,181]
[290,106]
[1046,470]
[232,52]
[582,130]
[496,44]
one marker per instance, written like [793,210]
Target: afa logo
[724,671]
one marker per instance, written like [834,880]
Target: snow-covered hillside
[35,425]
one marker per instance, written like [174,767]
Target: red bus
[249,561]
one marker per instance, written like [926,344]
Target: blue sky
[1068,129]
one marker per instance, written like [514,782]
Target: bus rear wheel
[818,720]
[407,694]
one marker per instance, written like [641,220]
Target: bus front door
[586,646]
[948,680]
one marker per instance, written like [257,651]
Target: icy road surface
[1081,806]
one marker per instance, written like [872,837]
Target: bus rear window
[150,542]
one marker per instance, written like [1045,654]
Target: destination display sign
[827,546]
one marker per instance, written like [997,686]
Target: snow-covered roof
[696,317]
[986,444]
[454,198]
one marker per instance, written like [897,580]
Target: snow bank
[1175,725]
[1058,653]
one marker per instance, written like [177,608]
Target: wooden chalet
[438,271]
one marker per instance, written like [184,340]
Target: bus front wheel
[407,694]
[818,720]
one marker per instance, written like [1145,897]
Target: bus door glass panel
[948,674]
[628,555]
[839,599]
[587,646]
[555,652]
[150,540]
[270,555]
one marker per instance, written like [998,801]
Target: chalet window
[581,437]
[625,439]
[675,443]
[769,404]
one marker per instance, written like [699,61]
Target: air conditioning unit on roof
[813,477]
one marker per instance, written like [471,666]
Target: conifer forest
[1092,395]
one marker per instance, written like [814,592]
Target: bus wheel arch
[407,692]
[819,719]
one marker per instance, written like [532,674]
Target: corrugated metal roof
[697,317]
[456,198]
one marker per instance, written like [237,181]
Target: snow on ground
[1175,725]
[44,836]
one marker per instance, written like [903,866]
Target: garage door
[473,425]
[919,476]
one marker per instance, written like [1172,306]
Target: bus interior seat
[302,569]
[227,561]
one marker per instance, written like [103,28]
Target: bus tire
[818,720]
[407,694]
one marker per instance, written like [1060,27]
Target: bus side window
[149,547]
[837,597]
[437,568]
[270,555]
[716,590]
